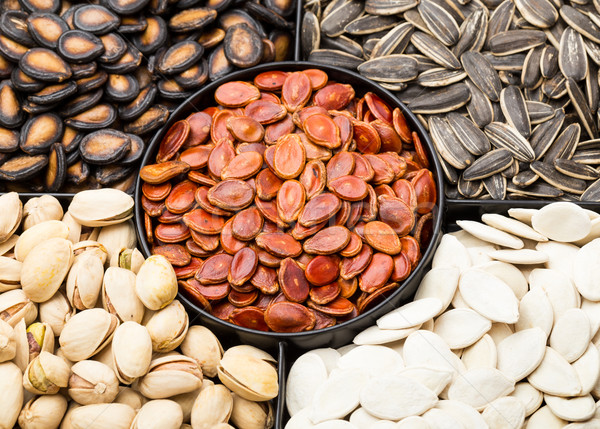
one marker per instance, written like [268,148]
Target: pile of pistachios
[91,335]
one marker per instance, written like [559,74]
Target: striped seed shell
[440,23]
[575,169]
[394,42]
[334,23]
[447,144]
[549,61]
[482,74]
[581,22]
[582,108]
[471,137]
[514,109]
[531,75]
[564,145]
[489,164]
[539,112]
[539,13]
[473,33]
[561,181]
[513,41]
[496,186]
[441,100]
[391,68]
[434,49]
[500,19]
[572,58]
[440,76]
[504,136]
[479,106]
[388,7]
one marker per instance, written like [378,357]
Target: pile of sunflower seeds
[507,89]
[83,85]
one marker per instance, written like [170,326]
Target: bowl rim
[187,104]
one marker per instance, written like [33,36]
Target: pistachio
[41,209]
[66,422]
[130,259]
[8,343]
[85,281]
[250,377]
[119,297]
[46,374]
[10,274]
[86,333]
[15,305]
[45,268]
[159,414]
[9,244]
[21,358]
[56,312]
[213,406]
[101,207]
[116,237]
[203,346]
[130,397]
[11,394]
[37,234]
[43,412]
[131,351]
[39,338]
[156,282]
[92,382]
[167,327]
[12,211]
[251,415]
[60,354]
[186,400]
[102,416]
[91,246]
[74,228]
[169,376]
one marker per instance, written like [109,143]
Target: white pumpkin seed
[559,289]
[529,396]
[451,253]
[441,419]
[411,314]
[560,256]
[427,348]
[489,296]
[440,283]
[499,332]
[362,419]
[512,226]
[535,310]
[592,235]
[412,422]
[477,387]
[523,215]
[521,353]
[509,274]
[492,235]
[373,360]
[461,328]
[306,375]
[587,368]
[586,270]
[329,356]
[522,256]
[562,221]
[434,379]
[375,335]
[571,334]
[507,412]
[463,413]
[394,397]
[592,310]
[482,354]
[544,418]
[335,424]
[555,375]
[300,420]
[573,409]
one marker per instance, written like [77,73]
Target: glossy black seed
[99,116]
[171,90]
[127,63]
[11,50]
[56,172]
[192,19]
[46,28]
[121,88]
[14,26]
[126,7]
[135,152]
[81,103]
[151,119]
[45,65]
[153,37]
[139,105]
[95,81]
[78,172]
[83,70]
[194,77]
[95,19]
[104,146]
[79,46]
[9,140]
[11,114]
[180,57]
[39,132]
[24,83]
[106,175]
[132,24]
[53,94]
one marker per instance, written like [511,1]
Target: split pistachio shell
[248,376]
[102,416]
[74,228]
[56,312]
[43,412]
[130,259]
[101,207]
[246,349]
[167,327]
[186,400]
[251,415]
[40,209]
[203,346]
[11,394]
[91,246]
[12,211]
[159,414]
[40,338]
[10,274]
[46,374]
[92,382]
[131,351]
[119,297]
[45,268]
[37,234]
[85,281]
[130,397]
[116,237]
[9,244]
[213,406]
[22,345]
[66,422]
[8,343]
[156,282]
[15,305]
[86,333]
[169,376]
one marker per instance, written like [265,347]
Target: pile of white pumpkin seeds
[507,89]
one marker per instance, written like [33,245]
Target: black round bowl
[343,333]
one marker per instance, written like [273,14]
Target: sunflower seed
[310,33]
[435,50]
[539,112]
[589,156]
[447,145]
[565,144]
[561,181]
[489,164]
[593,50]
[504,136]
[441,100]
[582,108]
[500,19]
[394,42]
[575,169]
[482,74]
[538,190]
[496,186]
[388,7]
[555,87]
[549,61]
[479,106]
[414,17]
[509,78]
[335,58]
[592,193]
[572,58]
[441,24]
[440,77]
[512,170]
[539,13]
[511,63]
[334,23]
[449,172]
[514,109]
[469,188]
[391,68]
[524,178]
[581,23]
[471,137]
[342,43]
[513,41]
[368,24]
[473,33]
[531,75]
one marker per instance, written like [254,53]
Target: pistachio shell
[156,282]
[45,268]
[22,345]
[56,312]
[10,274]
[251,415]
[37,234]
[116,237]
[86,333]
[169,376]
[12,211]
[167,327]
[9,244]
[203,346]
[8,343]
[213,406]
[43,412]
[92,383]
[118,295]
[131,351]
[11,394]
[39,338]
[41,209]
[101,207]
[159,414]
[130,397]
[248,376]
[91,246]
[46,374]
[84,281]
[74,228]
[102,416]
[186,400]
[15,305]
[130,259]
